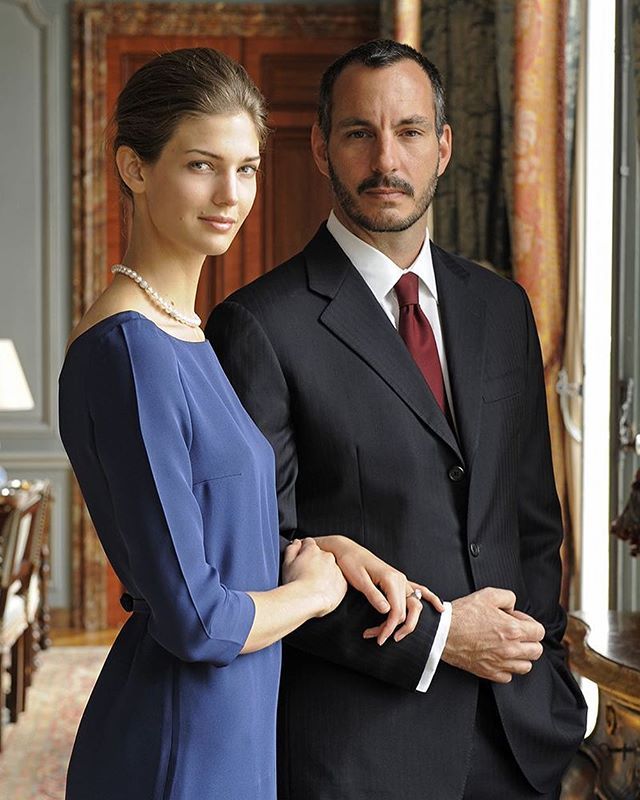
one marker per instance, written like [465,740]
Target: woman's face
[200,190]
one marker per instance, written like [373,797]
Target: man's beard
[379,224]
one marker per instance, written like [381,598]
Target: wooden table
[606,650]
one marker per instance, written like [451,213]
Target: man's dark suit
[362,449]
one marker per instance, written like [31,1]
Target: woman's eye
[248,169]
[200,166]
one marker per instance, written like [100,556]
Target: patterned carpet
[34,762]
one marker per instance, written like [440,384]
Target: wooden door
[293,198]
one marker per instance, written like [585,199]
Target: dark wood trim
[92,24]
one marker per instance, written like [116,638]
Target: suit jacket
[362,449]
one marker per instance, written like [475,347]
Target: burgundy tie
[418,335]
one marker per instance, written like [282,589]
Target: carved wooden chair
[21,518]
[34,585]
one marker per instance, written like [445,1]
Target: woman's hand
[316,569]
[387,589]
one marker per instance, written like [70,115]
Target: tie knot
[407,290]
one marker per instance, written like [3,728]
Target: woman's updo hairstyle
[192,82]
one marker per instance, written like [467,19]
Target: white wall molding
[598,287]
[49,313]
[33,11]
[34,262]
[12,461]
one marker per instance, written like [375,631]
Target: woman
[178,480]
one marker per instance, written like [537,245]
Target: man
[410,417]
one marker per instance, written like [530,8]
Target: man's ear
[445,145]
[130,167]
[319,150]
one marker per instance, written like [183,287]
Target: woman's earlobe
[129,166]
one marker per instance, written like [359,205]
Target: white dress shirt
[381,274]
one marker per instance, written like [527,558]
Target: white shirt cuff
[439,642]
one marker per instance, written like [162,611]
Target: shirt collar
[378,271]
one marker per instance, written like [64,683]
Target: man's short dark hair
[377,54]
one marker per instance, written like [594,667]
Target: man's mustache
[385,182]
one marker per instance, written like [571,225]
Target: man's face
[383,157]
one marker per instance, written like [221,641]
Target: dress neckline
[136,315]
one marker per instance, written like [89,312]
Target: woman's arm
[387,589]
[141,435]
[313,586]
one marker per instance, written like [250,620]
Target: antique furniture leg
[44,618]
[605,650]
[17,680]
[28,664]
[4,677]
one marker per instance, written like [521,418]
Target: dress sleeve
[142,432]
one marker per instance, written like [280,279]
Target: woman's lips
[222,224]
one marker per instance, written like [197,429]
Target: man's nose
[384,159]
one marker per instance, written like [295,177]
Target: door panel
[126,54]
[292,199]
[295,197]
[291,170]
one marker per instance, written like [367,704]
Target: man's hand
[489,638]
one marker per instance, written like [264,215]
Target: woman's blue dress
[180,486]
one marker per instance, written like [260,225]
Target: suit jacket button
[456,473]
[474,548]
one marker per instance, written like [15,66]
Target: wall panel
[36,285]
[34,271]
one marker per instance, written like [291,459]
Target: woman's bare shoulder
[108,304]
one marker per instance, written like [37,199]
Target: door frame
[92,24]
[625,423]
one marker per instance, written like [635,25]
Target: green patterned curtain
[471,42]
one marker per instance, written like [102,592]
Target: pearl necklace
[193,321]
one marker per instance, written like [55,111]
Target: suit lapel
[462,316]
[356,318]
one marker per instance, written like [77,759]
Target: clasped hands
[490,638]
[487,636]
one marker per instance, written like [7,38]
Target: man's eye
[411,133]
[357,134]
